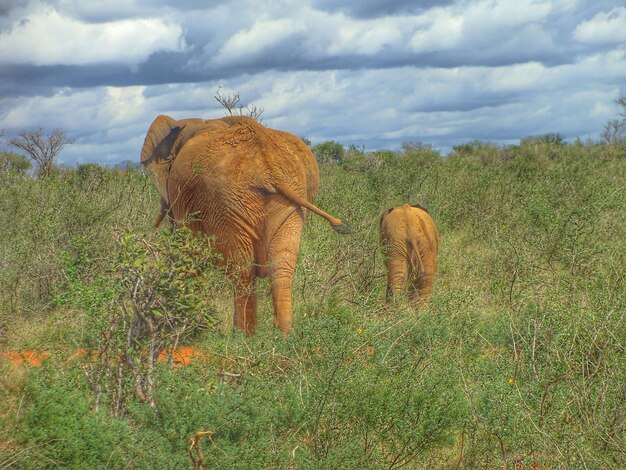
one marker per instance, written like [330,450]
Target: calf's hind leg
[397,274]
[422,283]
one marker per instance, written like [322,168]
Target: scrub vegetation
[517,361]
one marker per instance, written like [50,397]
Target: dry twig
[198,460]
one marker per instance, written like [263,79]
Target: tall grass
[517,361]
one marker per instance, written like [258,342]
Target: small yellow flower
[360,331]
[511,381]
[304,314]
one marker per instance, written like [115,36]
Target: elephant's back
[236,168]
[246,144]
[296,157]
[279,156]
[423,227]
[408,222]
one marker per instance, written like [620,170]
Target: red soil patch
[18,358]
[180,356]
[79,354]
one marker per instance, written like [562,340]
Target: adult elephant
[410,245]
[248,186]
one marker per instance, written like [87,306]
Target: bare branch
[42,148]
[230,102]
[254,112]
[613,130]
[622,102]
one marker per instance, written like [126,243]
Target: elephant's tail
[414,257]
[298,200]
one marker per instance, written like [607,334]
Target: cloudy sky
[375,73]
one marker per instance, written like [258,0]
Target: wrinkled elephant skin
[248,186]
[410,243]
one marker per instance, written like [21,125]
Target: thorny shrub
[164,285]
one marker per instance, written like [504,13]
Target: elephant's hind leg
[422,284]
[420,290]
[242,274]
[282,256]
[397,273]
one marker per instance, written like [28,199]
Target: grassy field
[518,361]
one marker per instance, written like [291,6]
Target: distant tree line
[42,148]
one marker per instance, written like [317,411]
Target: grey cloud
[24,80]
[115,10]
[186,4]
[171,67]
[377,8]
[469,102]
[161,67]
[167,67]
[562,23]
[7,6]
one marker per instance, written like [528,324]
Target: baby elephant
[410,245]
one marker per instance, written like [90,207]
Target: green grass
[518,359]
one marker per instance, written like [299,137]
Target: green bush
[60,429]
[47,218]
[329,152]
[11,162]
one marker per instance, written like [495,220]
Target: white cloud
[441,106]
[364,37]
[85,110]
[263,34]
[299,92]
[45,37]
[503,14]
[489,28]
[315,35]
[604,28]
[517,78]
[66,109]
[443,31]
[609,65]
[122,105]
[488,24]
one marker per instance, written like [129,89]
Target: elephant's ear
[160,138]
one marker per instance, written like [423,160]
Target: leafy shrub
[61,430]
[162,285]
[46,218]
[14,162]
[329,152]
